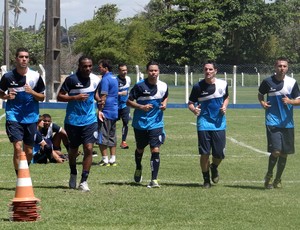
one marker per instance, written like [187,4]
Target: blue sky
[73,11]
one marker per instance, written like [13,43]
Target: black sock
[73,169]
[280,167]
[272,163]
[84,176]
[206,177]
[154,162]
[138,159]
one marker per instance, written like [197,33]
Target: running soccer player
[149,98]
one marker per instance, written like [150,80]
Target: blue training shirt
[145,93]
[24,108]
[81,113]
[109,87]
[279,114]
[211,98]
[124,85]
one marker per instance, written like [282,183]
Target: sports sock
[272,163]
[124,132]
[105,159]
[112,159]
[280,167]
[206,177]
[154,163]
[138,159]
[73,169]
[213,166]
[84,176]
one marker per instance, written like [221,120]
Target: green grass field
[238,201]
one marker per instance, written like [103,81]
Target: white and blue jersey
[124,85]
[109,87]
[145,93]
[279,114]
[24,108]
[81,113]
[211,98]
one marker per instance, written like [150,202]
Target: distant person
[81,121]
[208,101]
[149,98]
[123,109]
[43,151]
[23,89]
[55,133]
[107,97]
[282,93]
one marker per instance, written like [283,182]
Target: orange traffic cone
[24,205]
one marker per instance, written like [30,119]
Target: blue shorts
[280,139]
[82,134]
[214,141]
[154,137]
[21,132]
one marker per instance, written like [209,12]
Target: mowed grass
[238,201]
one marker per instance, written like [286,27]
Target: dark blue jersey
[279,114]
[145,93]
[24,108]
[211,98]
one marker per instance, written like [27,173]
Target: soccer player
[107,97]
[282,93]
[80,121]
[123,109]
[149,98]
[23,88]
[208,101]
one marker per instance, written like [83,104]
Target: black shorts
[214,141]
[107,133]
[280,139]
[124,114]
[82,134]
[21,132]
[154,137]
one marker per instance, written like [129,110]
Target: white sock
[112,159]
[105,159]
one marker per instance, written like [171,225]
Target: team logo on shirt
[204,93]
[272,89]
[79,85]
[146,92]
[13,83]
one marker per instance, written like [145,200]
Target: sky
[72,11]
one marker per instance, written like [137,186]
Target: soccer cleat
[95,154]
[72,181]
[103,163]
[124,145]
[206,185]
[84,187]
[113,163]
[277,183]
[153,184]
[268,182]
[214,174]
[138,176]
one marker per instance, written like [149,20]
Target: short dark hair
[281,59]
[83,57]
[151,63]
[106,63]
[21,49]
[46,115]
[211,62]
[121,65]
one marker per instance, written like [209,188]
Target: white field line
[3,115]
[243,144]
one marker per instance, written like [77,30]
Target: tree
[15,6]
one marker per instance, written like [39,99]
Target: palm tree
[15,6]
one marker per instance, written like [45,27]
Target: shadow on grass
[8,189]
[162,184]
[5,220]
[52,187]
[245,187]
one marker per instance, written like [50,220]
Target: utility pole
[52,48]
[6,35]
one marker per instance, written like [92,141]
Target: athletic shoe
[138,176]
[153,184]
[102,163]
[84,187]
[113,163]
[95,154]
[124,145]
[214,174]
[206,185]
[268,181]
[277,183]
[72,181]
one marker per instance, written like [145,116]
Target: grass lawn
[238,201]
